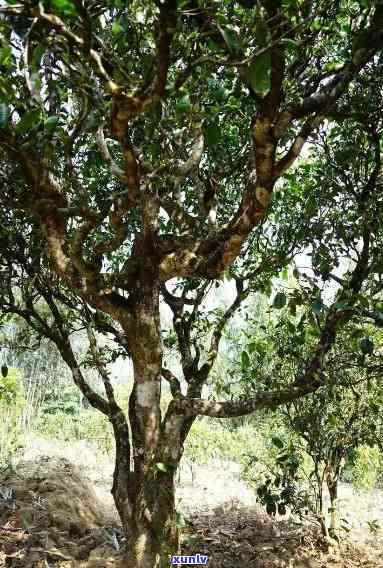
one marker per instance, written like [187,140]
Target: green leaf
[161,467]
[318,306]
[290,44]
[277,442]
[311,207]
[37,56]
[180,521]
[116,27]
[332,420]
[378,318]
[4,114]
[261,31]
[259,73]
[5,55]
[247,3]
[28,121]
[279,300]
[65,6]
[231,39]
[183,104]
[365,3]
[221,94]
[245,360]
[4,370]
[367,346]
[212,134]
[293,307]
[285,273]
[51,123]
[340,305]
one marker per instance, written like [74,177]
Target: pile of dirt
[50,515]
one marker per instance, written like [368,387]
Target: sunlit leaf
[161,467]
[5,55]
[245,360]
[28,121]
[259,73]
[279,300]
[4,114]
[65,6]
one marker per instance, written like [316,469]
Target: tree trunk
[332,486]
[147,511]
[319,503]
[152,532]
[145,468]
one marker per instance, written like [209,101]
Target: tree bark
[146,505]
[143,488]
[152,533]
[332,486]
[319,503]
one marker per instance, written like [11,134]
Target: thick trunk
[152,529]
[147,509]
[143,487]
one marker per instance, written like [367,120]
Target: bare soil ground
[228,525]
[56,510]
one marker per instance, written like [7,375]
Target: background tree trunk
[332,486]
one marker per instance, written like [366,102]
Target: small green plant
[11,388]
[282,489]
[374,527]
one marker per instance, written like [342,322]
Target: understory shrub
[368,464]
[12,403]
